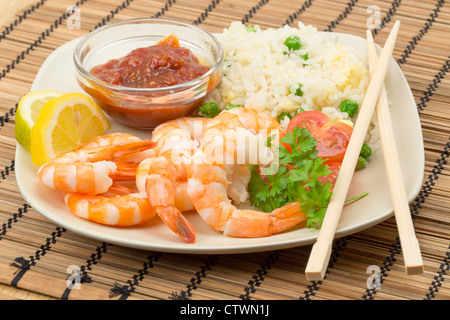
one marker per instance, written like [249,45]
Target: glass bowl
[145,108]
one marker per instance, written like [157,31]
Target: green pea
[282,115]
[293,43]
[209,109]
[361,163]
[231,106]
[298,92]
[366,151]
[349,106]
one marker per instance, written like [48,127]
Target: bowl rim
[184,85]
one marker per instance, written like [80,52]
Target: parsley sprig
[294,178]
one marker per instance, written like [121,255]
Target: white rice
[258,73]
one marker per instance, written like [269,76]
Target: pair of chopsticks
[375,97]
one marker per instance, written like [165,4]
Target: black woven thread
[4,173]
[195,281]
[260,274]
[21,18]
[25,264]
[5,118]
[112,13]
[432,87]
[424,193]
[298,12]
[36,43]
[84,277]
[22,265]
[439,278]
[311,289]
[253,10]
[428,185]
[125,290]
[342,16]
[164,9]
[338,246]
[15,217]
[205,13]
[387,264]
[388,17]
[412,44]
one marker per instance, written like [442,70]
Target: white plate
[57,73]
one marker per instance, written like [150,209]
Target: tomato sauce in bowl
[165,79]
[164,64]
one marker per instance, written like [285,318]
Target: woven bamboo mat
[35,253]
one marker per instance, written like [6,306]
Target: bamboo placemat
[35,253]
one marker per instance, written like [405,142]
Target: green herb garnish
[297,179]
[293,43]
[283,115]
[298,91]
[250,28]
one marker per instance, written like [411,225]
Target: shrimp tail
[125,171]
[118,152]
[161,194]
[126,156]
[116,190]
[287,217]
[173,218]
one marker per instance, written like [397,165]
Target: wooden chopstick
[321,250]
[408,240]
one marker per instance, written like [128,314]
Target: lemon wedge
[28,110]
[65,123]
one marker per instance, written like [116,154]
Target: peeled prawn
[181,199]
[163,177]
[93,167]
[210,178]
[119,206]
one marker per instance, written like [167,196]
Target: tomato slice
[332,136]
[334,167]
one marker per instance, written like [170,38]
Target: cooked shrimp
[164,177]
[119,206]
[181,199]
[209,179]
[159,187]
[176,139]
[94,166]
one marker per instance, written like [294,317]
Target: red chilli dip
[161,65]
